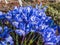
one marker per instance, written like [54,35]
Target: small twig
[6,1]
[20,2]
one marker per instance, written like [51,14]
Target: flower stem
[17,40]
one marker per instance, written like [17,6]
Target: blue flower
[36,6]
[3,43]
[49,36]
[54,39]
[44,9]
[34,20]
[0,29]
[7,40]
[58,29]
[58,43]
[50,43]
[22,26]
[2,15]
[15,10]
[55,27]
[18,18]
[20,32]
[8,16]
[6,37]
[16,24]
[20,10]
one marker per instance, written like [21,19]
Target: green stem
[17,40]
[25,41]
[29,36]
[40,41]
[32,40]
[13,34]
[17,43]
[22,40]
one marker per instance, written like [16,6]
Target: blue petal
[0,29]
[9,40]
[20,32]
[58,29]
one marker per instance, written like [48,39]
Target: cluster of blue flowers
[28,19]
